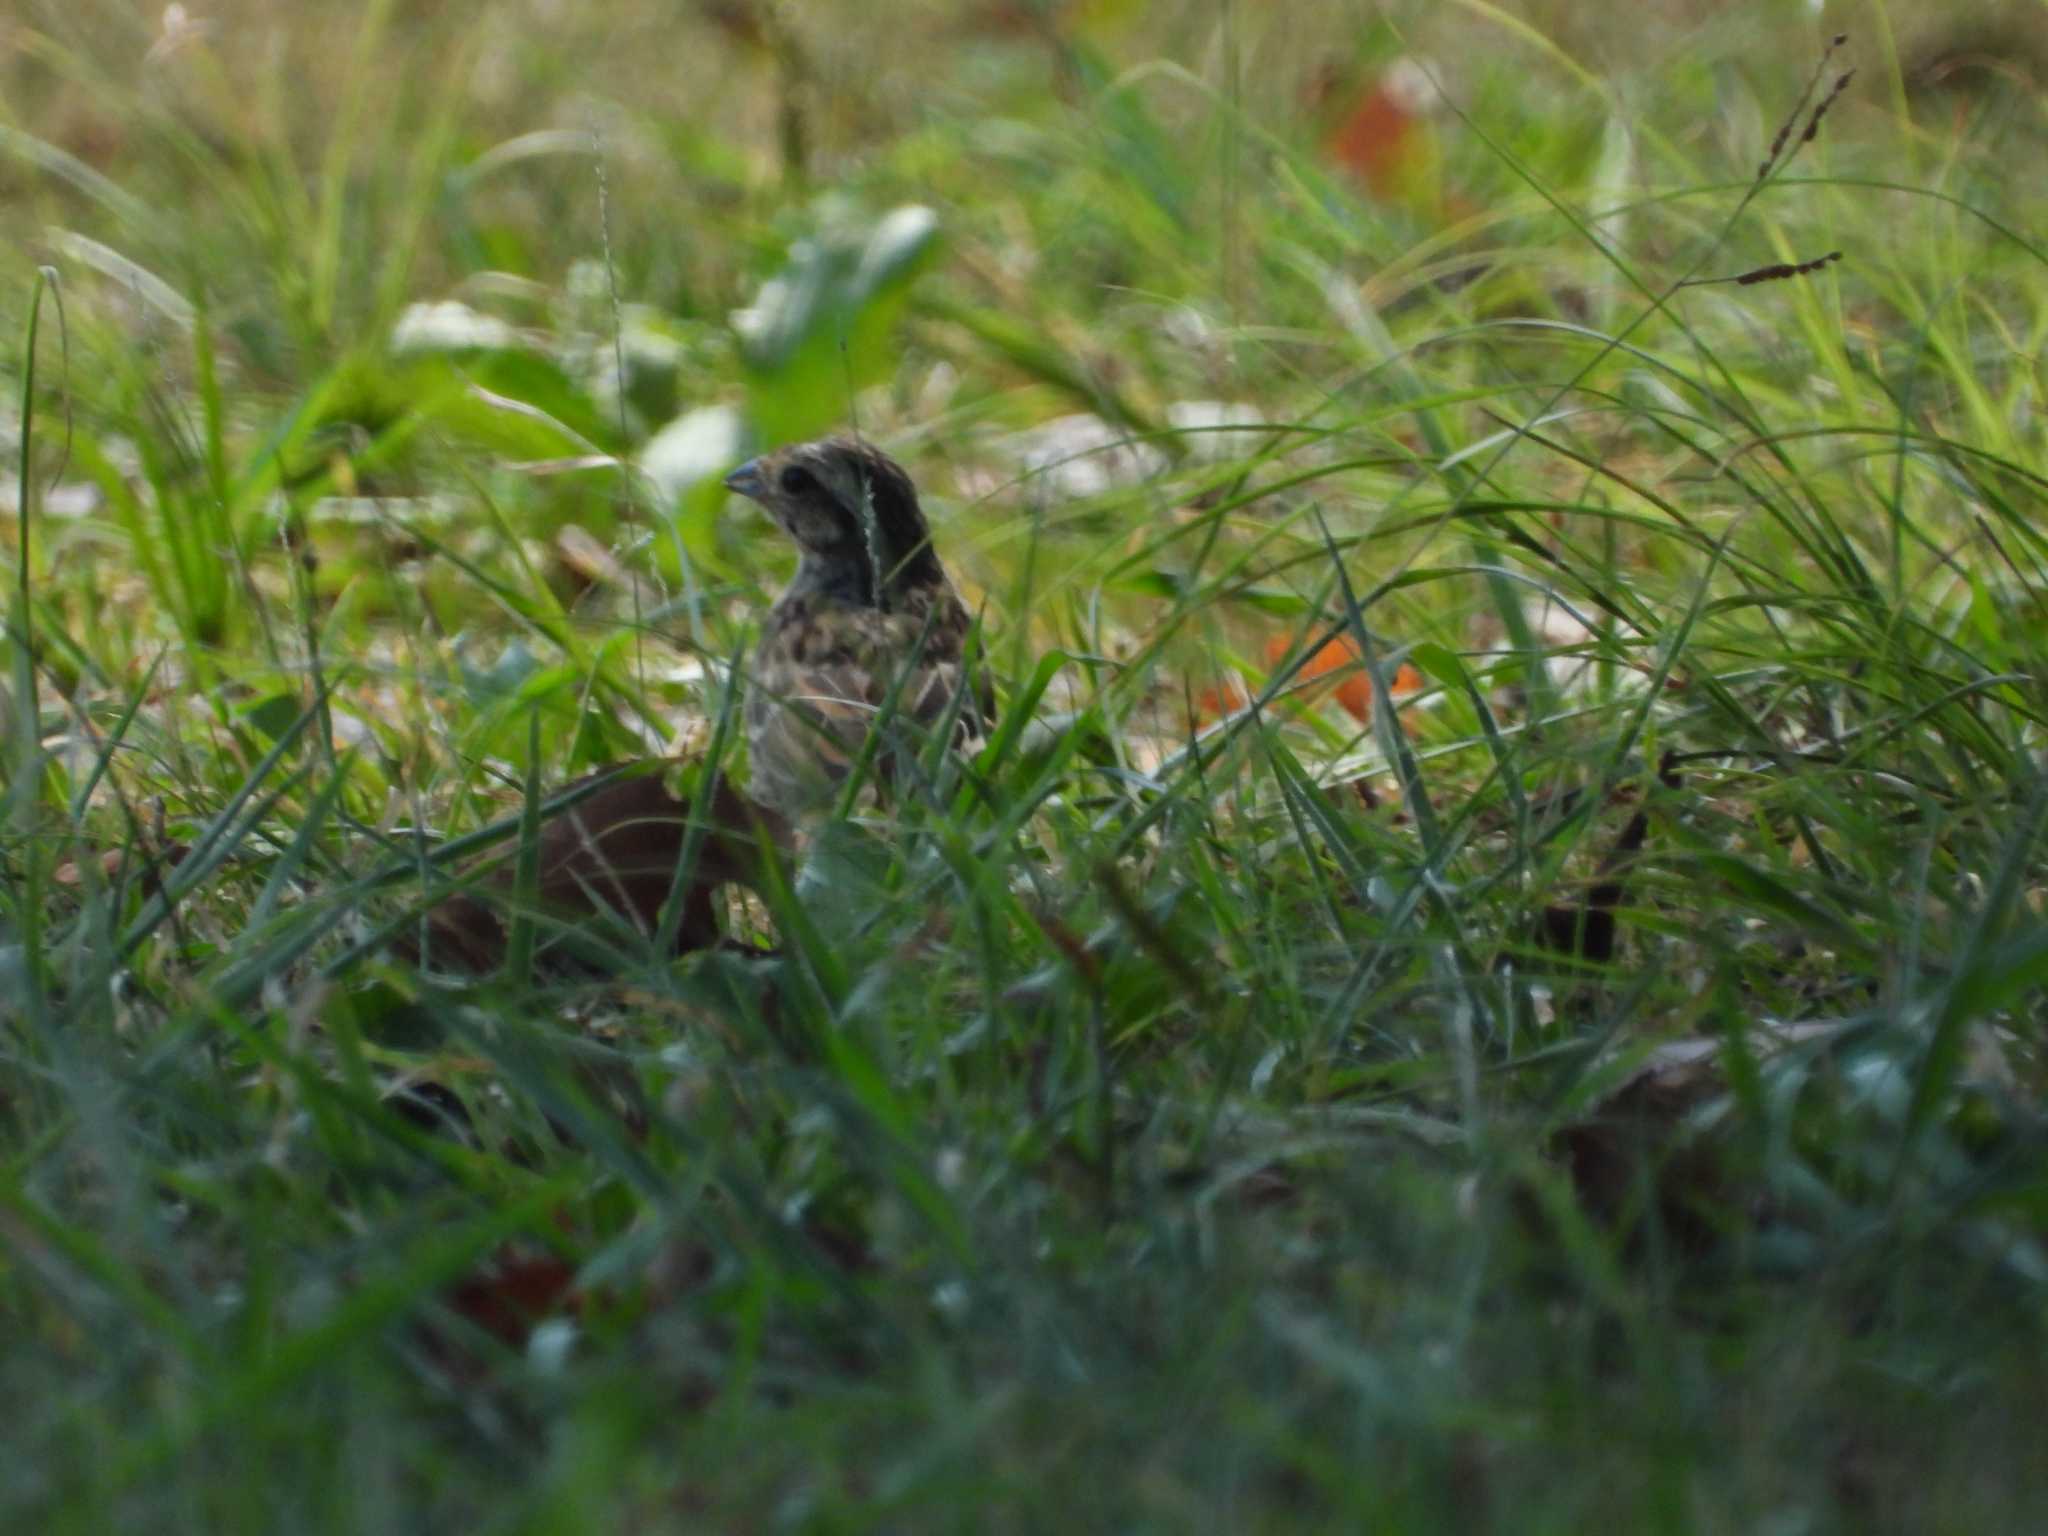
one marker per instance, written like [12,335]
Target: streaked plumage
[868,613]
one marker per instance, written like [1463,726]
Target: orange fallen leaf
[1384,137]
[1376,141]
[1218,700]
[1338,654]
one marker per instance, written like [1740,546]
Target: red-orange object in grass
[1375,141]
[1383,137]
[1221,699]
[1336,654]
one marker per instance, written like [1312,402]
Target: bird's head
[852,512]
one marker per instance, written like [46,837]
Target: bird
[870,617]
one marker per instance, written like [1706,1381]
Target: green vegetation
[1604,1090]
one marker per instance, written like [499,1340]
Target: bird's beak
[747,480]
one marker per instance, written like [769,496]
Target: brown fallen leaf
[613,854]
[1638,1144]
[72,871]
[1653,1147]
[513,1291]
[585,558]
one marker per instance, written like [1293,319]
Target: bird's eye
[796,480]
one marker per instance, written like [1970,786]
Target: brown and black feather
[869,618]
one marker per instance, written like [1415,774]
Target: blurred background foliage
[545,234]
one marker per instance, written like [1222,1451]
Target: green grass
[1187,1126]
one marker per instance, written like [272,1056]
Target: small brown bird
[868,617]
